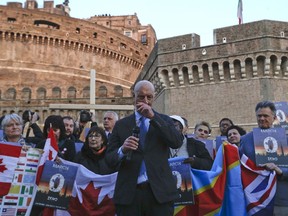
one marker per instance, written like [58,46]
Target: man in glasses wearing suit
[145,184]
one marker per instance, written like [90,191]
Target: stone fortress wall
[46,57]
[247,64]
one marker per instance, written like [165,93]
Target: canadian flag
[92,194]
[9,156]
[50,153]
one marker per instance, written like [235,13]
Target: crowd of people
[145,184]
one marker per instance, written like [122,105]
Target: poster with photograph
[182,174]
[56,184]
[271,146]
[282,115]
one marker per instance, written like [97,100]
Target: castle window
[102,91]
[71,93]
[144,39]
[77,30]
[128,33]
[56,92]
[41,93]
[123,46]
[11,20]
[11,94]
[107,23]
[118,91]
[26,94]
[86,92]
[46,24]
[95,35]
[111,40]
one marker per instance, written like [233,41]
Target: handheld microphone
[135,133]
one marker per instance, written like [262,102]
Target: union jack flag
[259,187]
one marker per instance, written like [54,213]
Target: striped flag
[24,201]
[8,211]
[216,191]
[239,12]
[231,181]
[259,188]
[10,200]
[9,156]
[18,178]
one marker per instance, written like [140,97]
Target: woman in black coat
[92,154]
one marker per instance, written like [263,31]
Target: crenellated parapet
[268,65]
[226,79]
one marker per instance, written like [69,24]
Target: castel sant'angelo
[46,57]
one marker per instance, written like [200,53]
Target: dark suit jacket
[160,136]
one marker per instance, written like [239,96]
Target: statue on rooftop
[66,3]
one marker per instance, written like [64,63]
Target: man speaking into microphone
[145,184]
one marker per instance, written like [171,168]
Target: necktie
[109,134]
[143,131]
[142,135]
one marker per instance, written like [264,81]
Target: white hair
[141,83]
[10,117]
[113,113]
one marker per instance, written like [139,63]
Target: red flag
[50,152]
[90,206]
[9,156]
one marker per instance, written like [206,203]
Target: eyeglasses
[201,130]
[142,97]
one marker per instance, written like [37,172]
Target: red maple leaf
[2,167]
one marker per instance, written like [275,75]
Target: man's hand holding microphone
[131,143]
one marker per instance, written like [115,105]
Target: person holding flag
[66,147]
[12,125]
[266,114]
